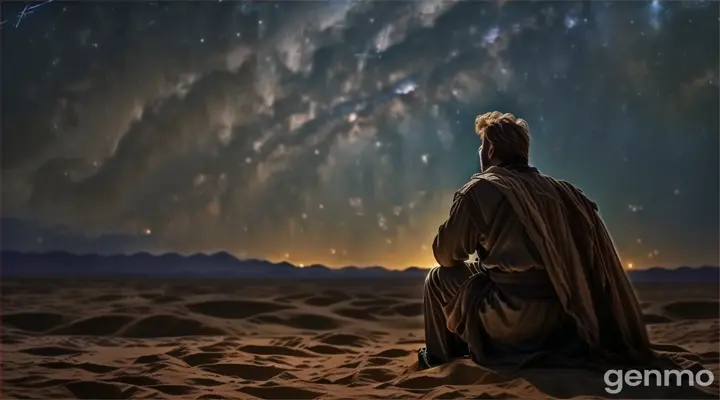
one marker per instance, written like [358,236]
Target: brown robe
[526,220]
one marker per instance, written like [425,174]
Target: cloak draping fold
[580,258]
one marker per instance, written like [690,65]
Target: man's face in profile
[484,152]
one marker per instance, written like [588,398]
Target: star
[27,10]
[22,14]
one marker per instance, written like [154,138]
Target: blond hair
[510,136]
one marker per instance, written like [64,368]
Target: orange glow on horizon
[423,258]
[425,261]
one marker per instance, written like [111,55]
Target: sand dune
[309,340]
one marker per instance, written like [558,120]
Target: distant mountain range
[216,265]
[225,265]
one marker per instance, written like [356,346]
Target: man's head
[505,139]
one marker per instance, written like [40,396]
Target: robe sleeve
[457,238]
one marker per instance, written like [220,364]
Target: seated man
[548,278]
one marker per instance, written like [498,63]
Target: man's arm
[457,237]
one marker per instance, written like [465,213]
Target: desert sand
[300,340]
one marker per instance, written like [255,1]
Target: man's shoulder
[576,192]
[567,185]
[476,185]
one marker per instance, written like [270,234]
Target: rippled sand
[279,340]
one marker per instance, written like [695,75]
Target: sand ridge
[309,340]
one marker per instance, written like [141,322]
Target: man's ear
[491,150]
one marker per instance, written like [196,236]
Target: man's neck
[516,166]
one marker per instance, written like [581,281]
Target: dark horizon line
[209,254]
[239,259]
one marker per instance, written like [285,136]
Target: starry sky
[337,131]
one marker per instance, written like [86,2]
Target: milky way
[336,132]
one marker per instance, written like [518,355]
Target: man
[548,279]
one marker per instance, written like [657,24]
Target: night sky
[336,132]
